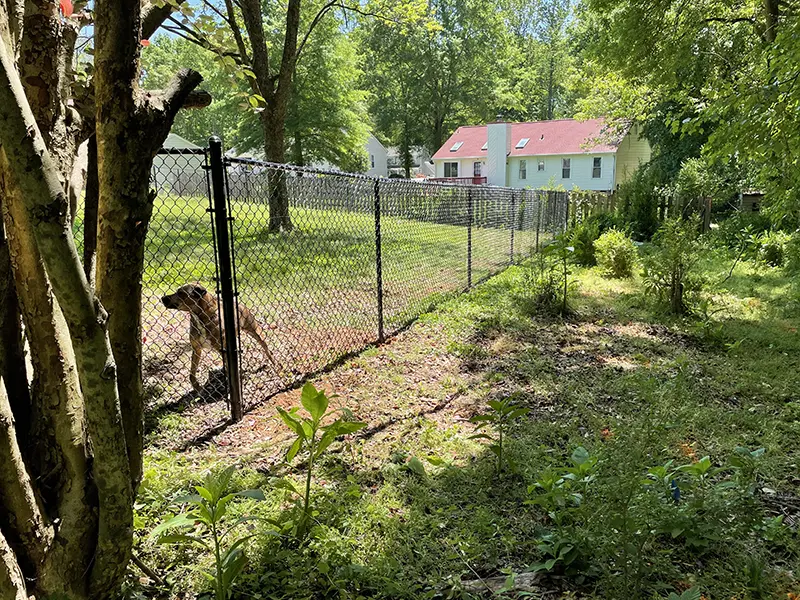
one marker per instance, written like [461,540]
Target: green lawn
[635,389]
[315,288]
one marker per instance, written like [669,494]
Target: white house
[540,154]
[377,158]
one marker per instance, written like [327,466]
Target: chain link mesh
[363,257]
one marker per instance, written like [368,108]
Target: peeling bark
[36,176]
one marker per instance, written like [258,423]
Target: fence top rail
[195,151]
[231,160]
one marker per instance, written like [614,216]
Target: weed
[502,414]
[309,441]
[209,514]
[616,254]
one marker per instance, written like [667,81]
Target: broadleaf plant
[500,415]
[206,526]
[313,438]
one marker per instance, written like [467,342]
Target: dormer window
[456,146]
[522,143]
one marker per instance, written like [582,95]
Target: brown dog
[204,324]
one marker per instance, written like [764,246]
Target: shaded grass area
[634,389]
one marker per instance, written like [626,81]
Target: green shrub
[583,236]
[616,254]
[671,265]
[772,247]
[638,201]
[734,229]
[546,280]
[791,253]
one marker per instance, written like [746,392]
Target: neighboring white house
[420,162]
[540,154]
[180,174]
[377,158]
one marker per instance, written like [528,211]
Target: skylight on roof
[485,145]
[522,142]
[456,146]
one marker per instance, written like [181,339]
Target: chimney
[498,145]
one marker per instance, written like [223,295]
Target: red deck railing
[460,180]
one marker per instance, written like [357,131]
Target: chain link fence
[361,259]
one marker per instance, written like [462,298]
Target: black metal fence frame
[514,210]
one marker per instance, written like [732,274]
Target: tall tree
[436,69]
[240,35]
[70,442]
[727,70]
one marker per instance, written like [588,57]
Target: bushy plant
[734,229]
[207,525]
[583,235]
[792,253]
[639,198]
[500,415]
[772,247]
[312,438]
[616,254]
[546,279]
[671,265]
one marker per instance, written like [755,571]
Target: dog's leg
[258,335]
[197,352]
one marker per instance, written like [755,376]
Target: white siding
[498,144]
[377,152]
[580,172]
[465,166]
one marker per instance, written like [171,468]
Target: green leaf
[184,520]
[294,449]
[314,401]
[255,494]
[415,466]
[291,422]
[580,455]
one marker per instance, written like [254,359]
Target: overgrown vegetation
[647,463]
[616,254]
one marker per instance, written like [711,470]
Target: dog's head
[186,298]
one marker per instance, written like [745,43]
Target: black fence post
[378,260]
[513,224]
[469,238]
[229,314]
[538,217]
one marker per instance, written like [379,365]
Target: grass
[315,288]
[633,387]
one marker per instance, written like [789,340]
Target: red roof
[565,136]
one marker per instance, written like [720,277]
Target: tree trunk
[37,179]
[273,122]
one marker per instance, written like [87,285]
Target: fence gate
[357,259]
[182,285]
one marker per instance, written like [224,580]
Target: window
[523,169]
[565,168]
[597,167]
[485,146]
[451,169]
[456,146]
[522,142]
[476,169]
[372,160]
[541,165]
